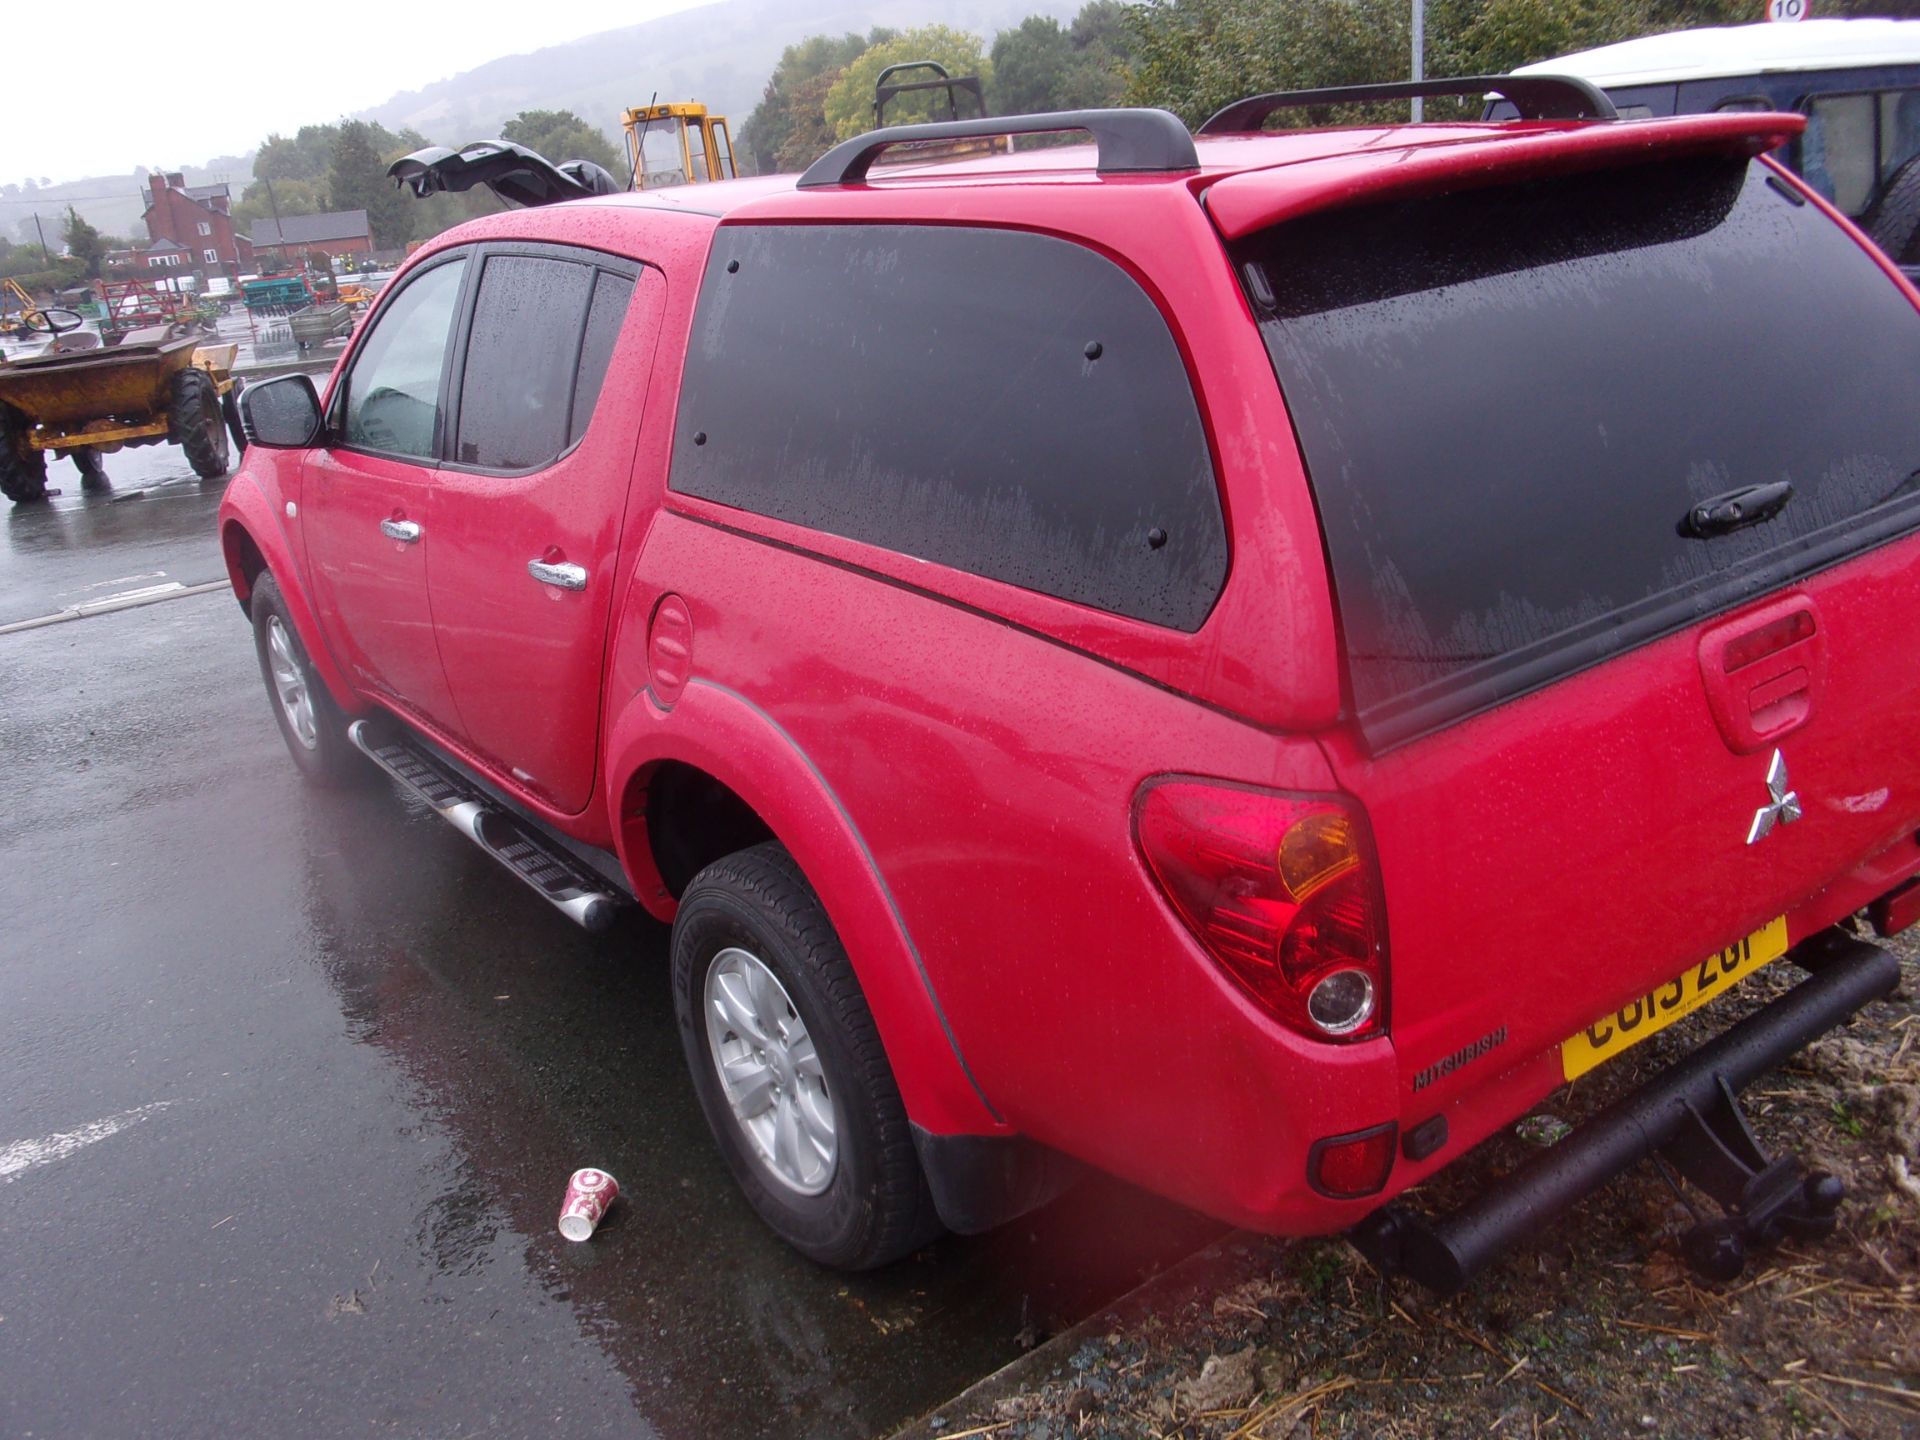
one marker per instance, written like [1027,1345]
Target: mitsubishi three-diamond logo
[1783,808]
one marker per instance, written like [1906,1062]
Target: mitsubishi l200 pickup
[1243,659]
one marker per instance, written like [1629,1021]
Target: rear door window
[1004,403]
[516,391]
[1511,407]
[391,395]
[604,317]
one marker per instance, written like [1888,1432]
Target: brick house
[190,227]
[302,239]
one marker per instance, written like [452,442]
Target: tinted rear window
[518,388]
[1000,402]
[1509,400]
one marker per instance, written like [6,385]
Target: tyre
[23,471]
[93,474]
[196,424]
[789,1068]
[1894,221]
[230,411]
[310,723]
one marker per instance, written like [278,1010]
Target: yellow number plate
[1685,993]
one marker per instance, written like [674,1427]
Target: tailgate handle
[1736,510]
[1762,671]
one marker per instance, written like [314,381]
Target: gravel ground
[1596,1328]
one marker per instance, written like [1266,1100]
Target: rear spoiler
[1255,199]
[513,172]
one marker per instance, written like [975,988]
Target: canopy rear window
[1510,400]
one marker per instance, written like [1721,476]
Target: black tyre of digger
[93,474]
[230,411]
[1894,222]
[23,472]
[195,423]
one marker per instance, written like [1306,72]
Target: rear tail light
[1282,891]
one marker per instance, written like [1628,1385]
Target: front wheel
[23,470]
[310,723]
[789,1067]
[196,425]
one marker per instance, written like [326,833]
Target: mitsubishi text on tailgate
[1243,659]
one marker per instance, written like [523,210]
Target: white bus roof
[1719,51]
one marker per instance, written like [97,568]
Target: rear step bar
[1687,1118]
[555,876]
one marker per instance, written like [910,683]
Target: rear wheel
[23,470]
[310,723]
[196,425]
[93,474]
[789,1067]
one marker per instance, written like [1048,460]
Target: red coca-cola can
[589,1193]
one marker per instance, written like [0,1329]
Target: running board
[555,876]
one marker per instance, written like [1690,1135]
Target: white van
[1856,81]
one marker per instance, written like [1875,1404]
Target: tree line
[321,168]
[1187,56]
[1194,56]
[343,166]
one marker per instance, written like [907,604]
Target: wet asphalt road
[291,1082]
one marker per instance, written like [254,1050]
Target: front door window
[391,402]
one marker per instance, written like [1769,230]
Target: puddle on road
[537,1049]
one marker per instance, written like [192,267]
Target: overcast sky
[96,87]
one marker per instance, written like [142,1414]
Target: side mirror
[281,414]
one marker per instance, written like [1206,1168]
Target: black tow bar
[1687,1118]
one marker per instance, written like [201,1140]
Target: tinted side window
[393,391]
[1003,403]
[610,296]
[516,393]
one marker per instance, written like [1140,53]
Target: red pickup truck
[1243,659]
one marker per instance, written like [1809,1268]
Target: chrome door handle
[564,577]
[405,531]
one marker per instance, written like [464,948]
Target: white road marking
[118,580]
[146,595]
[29,1154]
[129,600]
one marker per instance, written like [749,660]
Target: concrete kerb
[1228,1261]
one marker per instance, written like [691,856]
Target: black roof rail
[1129,141]
[1536,97]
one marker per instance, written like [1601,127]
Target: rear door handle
[405,531]
[564,576]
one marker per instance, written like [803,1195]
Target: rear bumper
[1445,1252]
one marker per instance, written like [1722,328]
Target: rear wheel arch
[677,819]
[717,746]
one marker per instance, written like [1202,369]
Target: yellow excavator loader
[21,323]
[698,140]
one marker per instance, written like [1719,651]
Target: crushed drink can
[589,1193]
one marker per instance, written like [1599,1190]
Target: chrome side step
[555,876]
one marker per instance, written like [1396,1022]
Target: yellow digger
[20,324]
[699,142]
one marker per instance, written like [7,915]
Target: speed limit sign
[1786,11]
